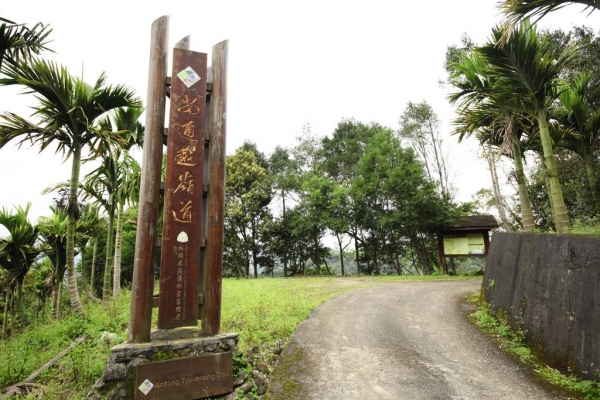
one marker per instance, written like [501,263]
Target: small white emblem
[188,76]
[146,386]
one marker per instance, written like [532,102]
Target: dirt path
[404,341]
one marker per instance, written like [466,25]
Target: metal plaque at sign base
[185,378]
[180,260]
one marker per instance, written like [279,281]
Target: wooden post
[182,221]
[441,253]
[211,310]
[143,265]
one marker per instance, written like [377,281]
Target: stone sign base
[118,380]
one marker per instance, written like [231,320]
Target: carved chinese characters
[180,261]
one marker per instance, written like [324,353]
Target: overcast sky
[290,63]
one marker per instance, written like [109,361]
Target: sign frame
[182,217]
[185,378]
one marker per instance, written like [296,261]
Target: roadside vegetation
[363,199]
[512,340]
[265,313]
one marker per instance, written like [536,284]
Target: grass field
[263,311]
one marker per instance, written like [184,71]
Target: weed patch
[265,313]
[512,341]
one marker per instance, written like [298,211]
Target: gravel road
[402,341]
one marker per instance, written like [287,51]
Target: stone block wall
[549,286]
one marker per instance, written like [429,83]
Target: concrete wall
[549,285]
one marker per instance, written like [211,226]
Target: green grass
[513,341]
[262,311]
[268,310]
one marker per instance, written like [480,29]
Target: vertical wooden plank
[441,253]
[143,268]
[486,242]
[180,262]
[206,182]
[211,311]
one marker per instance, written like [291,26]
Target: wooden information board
[185,378]
[180,260]
[466,244]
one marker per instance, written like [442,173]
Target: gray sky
[290,63]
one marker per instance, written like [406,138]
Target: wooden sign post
[182,216]
[191,246]
[194,196]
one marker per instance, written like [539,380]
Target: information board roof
[473,223]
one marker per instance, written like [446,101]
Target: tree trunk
[453,266]
[339,239]
[316,261]
[547,185]
[561,219]
[285,253]
[356,254]
[422,255]
[327,267]
[440,162]
[591,175]
[6,307]
[12,313]
[72,213]
[93,273]
[81,268]
[524,201]
[247,259]
[56,300]
[117,264]
[109,253]
[496,187]
[254,262]
[19,294]
[238,268]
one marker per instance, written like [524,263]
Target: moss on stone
[293,364]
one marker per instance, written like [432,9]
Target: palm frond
[524,63]
[17,41]
[518,10]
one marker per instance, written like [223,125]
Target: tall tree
[340,156]
[19,247]
[39,280]
[284,173]
[499,202]
[527,72]
[400,204]
[89,228]
[126,122]
[8,282]
[53,232]
[484,110]
[111,185]
[248,195]
[67,111]
[420,127]
[585,121]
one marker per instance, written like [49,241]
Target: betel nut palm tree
[575,113]
[17,41]
[65,116]
[126,120]
[53,234]
[89,228]
[19,246]
[528,75]
[483,111]
[114,183]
